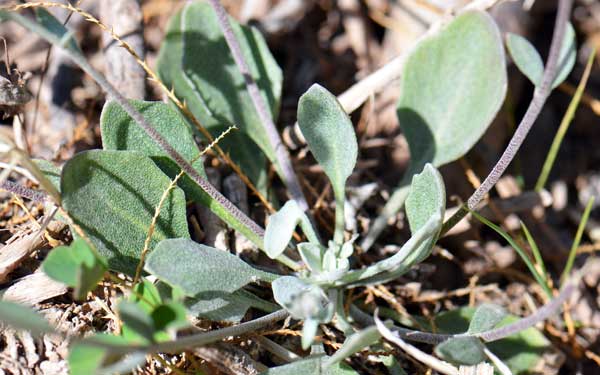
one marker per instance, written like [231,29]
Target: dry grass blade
[162,201]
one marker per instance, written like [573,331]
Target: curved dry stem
[540,95]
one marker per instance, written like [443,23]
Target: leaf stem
[20,190]
[281,153]
[205,338]
[338,235]
[488,336]
[540,95]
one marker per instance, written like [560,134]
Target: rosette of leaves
[313,295]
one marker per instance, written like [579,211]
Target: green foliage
[529,61]
[520,352]
[198,269]
[427,201]
[451,88]
[304,301]
[77,266]
[92,355]
[21,317]
[228,307]
[353,344]
[120,132]
[281,228]
[312,365]
[112,196]
[486,317]
[466,350]
[195,60]
[148,318]
[541,279]
[329,135]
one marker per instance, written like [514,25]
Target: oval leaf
[329,134]
[525,57]
[281,226]
[197,268]
[426,199]
[529,61]
[77,266]
[451,88]
[112,196]
[302,300]
[170,69]
[462,350]
[486,317]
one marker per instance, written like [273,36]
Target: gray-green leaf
[451,88]
[121,132]
[353,344]
[302,300]
[329,134]
[281,227]
[311,366]
[112,196]
[427,198]
[462,350]
[197,268]
[214,88]
[530,63]
[486,317]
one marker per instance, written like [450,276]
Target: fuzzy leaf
[530,63]
[302,300]
[525,57]
[520,352]
[281,227]
[214,89]
[355,343]
[77,266]
[426,199]
[121,132]
[197,268]
[486,317]
[462,350]
[329,134]
[23,318]
[312,255]
[313,365]
[112,196]
[451,88]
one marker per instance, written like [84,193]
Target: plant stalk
[540,96]
[283,157]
